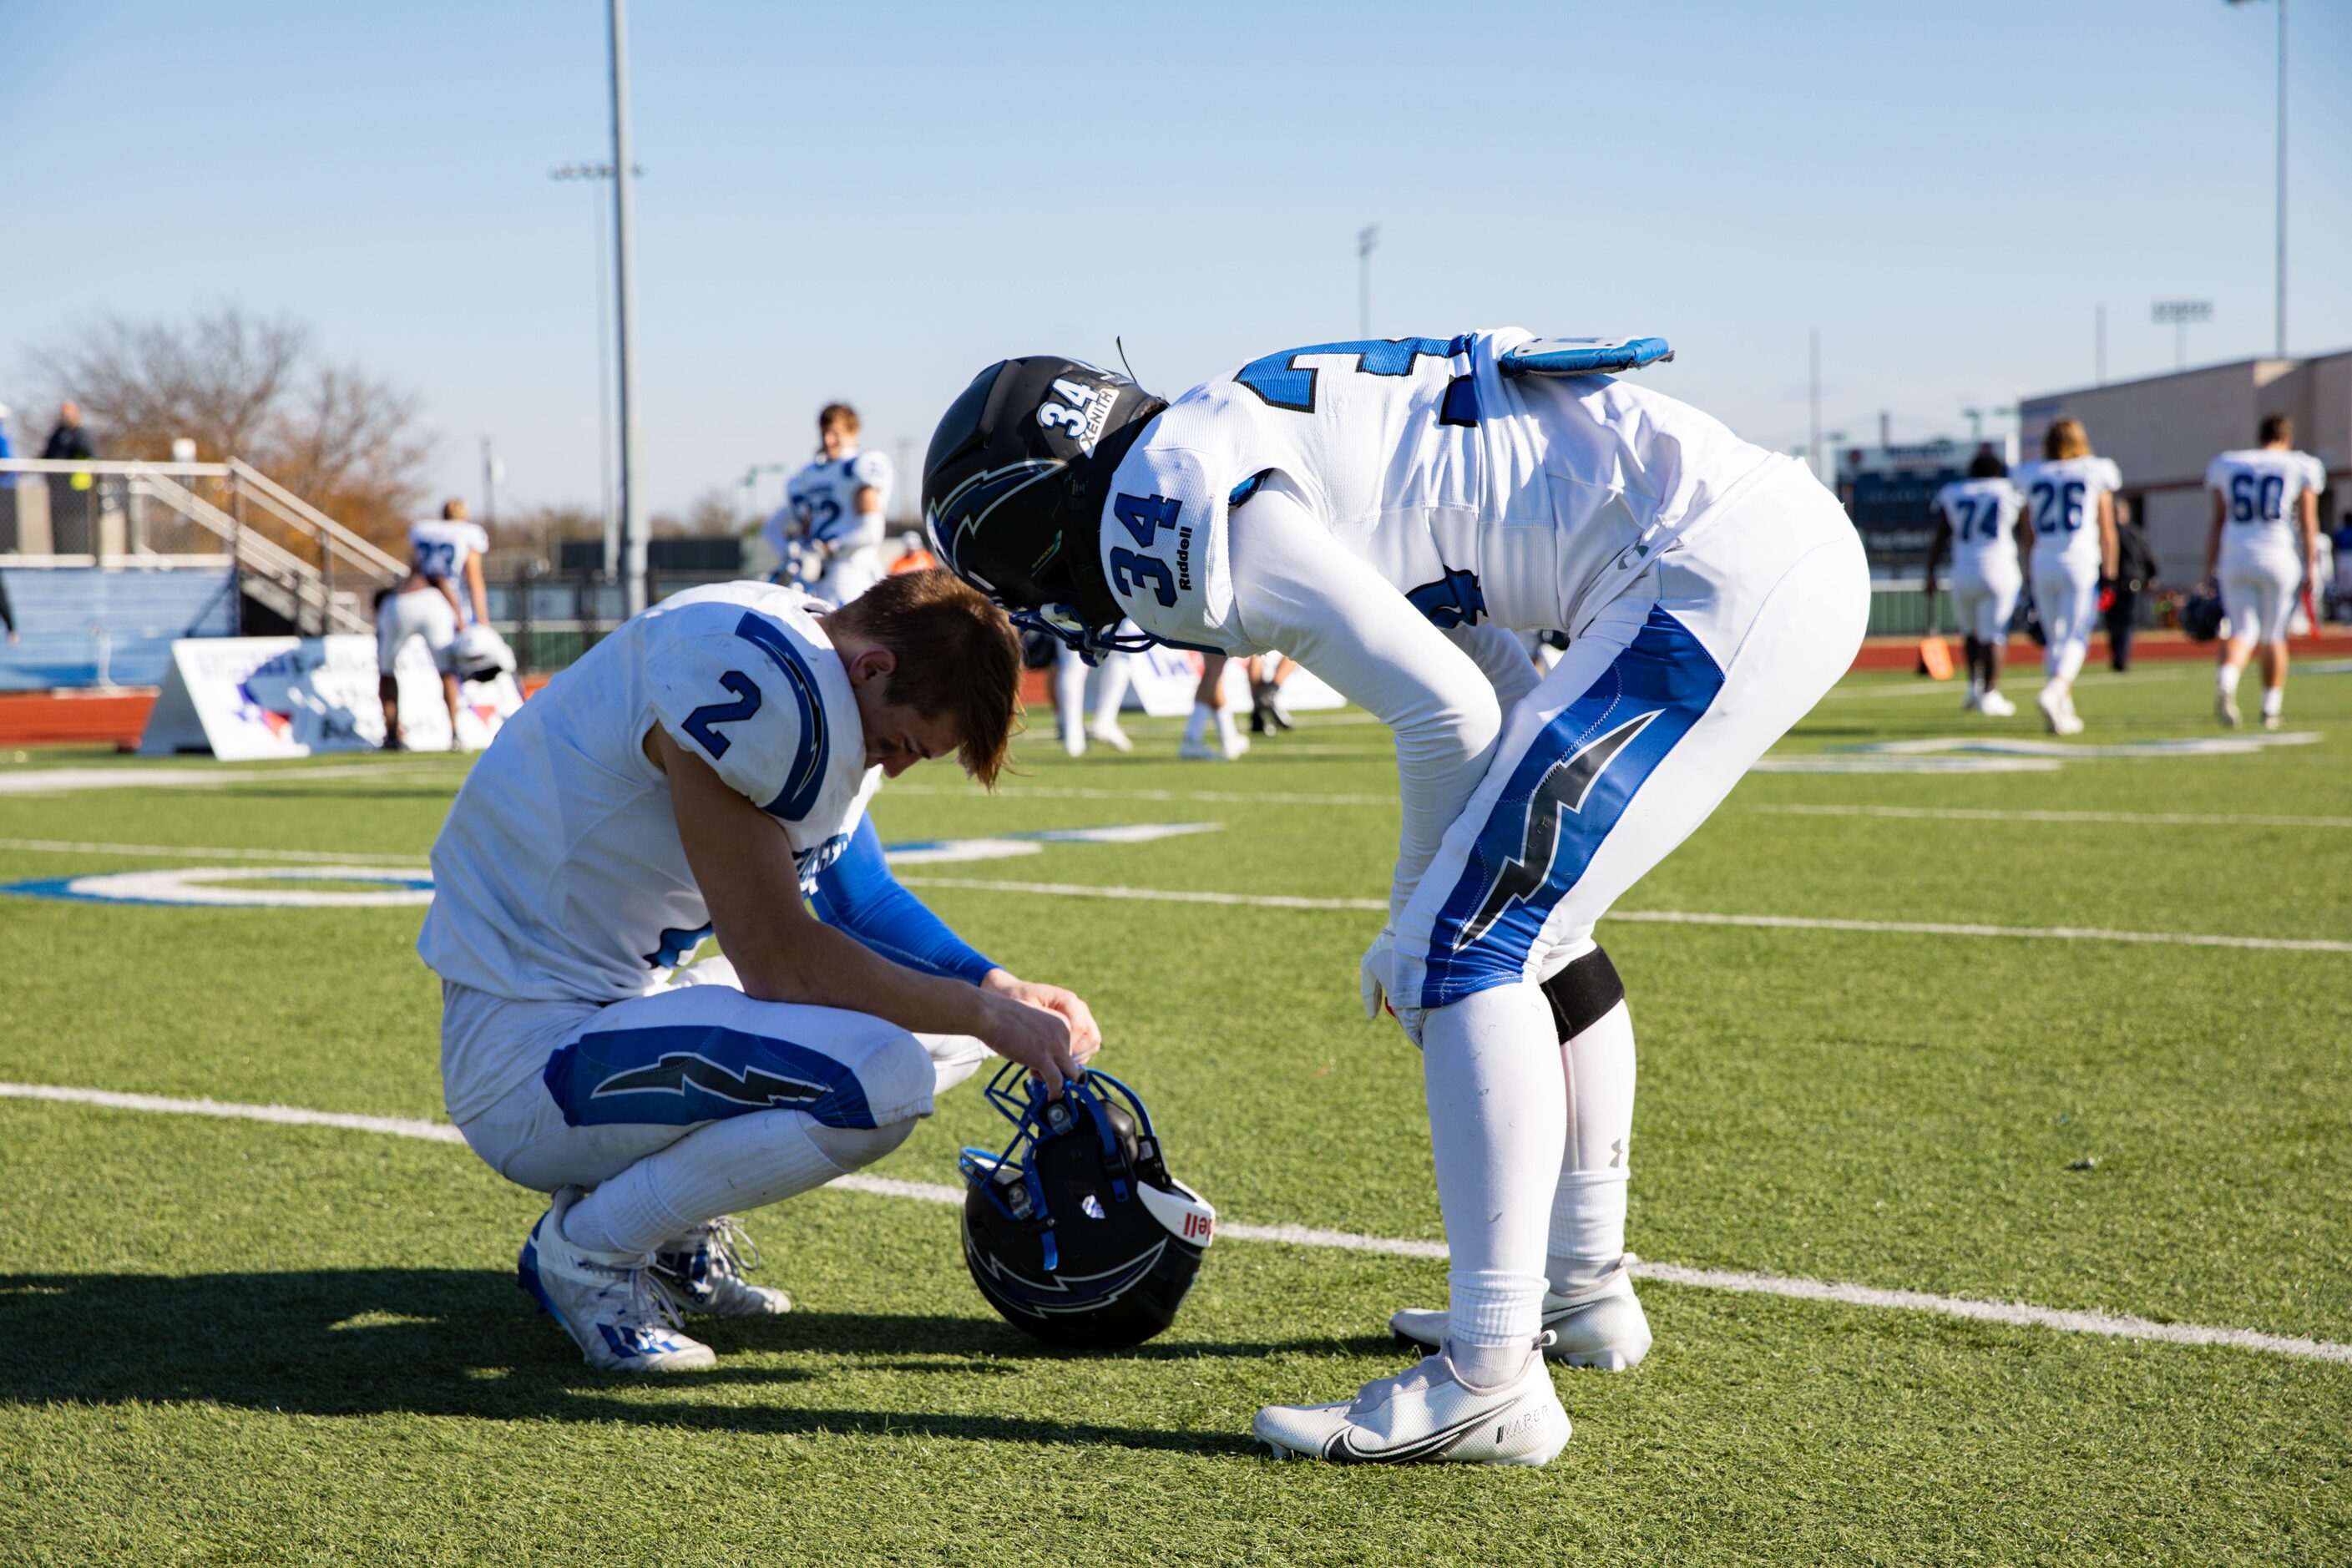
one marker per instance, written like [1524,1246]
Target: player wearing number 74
[700,771]
[1387,512]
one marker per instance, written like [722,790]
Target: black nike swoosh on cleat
[1342,1448]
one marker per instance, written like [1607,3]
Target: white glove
[1375,972]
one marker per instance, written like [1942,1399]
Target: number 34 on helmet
[1076,1234]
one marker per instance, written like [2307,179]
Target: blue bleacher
[69,619]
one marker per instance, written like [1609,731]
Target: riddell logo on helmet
[1200,1227]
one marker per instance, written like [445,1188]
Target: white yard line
[68,781]
[1214,797]
[2126,818]
[2021,1314]
[1663,917]
[2023,677]
[178,851]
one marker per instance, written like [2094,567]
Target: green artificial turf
[238,1341]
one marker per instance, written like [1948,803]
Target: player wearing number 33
[1388,512]
[702,769]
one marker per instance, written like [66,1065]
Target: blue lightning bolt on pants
[1667,696]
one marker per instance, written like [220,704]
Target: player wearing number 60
[702,770]
[1388,512]
[2264,541]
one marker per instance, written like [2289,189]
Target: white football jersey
[1983,515]
[1522,500]
[2261,491]
[2061,500]
[440,547]
[822,501]
[560,875]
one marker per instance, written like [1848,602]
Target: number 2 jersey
[560,875]
[1528,501]
[2062,501]
[2262,492]
[1983,515]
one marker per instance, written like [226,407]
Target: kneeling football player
[705,769]
[1388,512]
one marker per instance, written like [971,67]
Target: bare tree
[245,386]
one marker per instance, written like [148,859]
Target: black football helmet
[1077,1233]
[2200,616]
[1014,487]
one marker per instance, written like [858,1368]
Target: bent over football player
[701,770]
[1388,512]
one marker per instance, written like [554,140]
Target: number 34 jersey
[1526,501]
[560,875]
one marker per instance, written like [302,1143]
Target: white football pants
[2258,592]
[1984,598]
[2066,597]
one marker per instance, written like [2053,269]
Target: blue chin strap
[1064,625]
[1021,1099]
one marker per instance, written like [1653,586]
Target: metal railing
[290,557]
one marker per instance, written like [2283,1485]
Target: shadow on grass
[465,1343]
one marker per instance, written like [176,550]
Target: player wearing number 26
[705,770]
[2069,527]
[1389,512]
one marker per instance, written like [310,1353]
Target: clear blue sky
[871,201]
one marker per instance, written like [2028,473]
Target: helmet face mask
[1076,1234]
[1013,488]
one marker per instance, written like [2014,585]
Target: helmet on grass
[1076,1234]
[1014,487]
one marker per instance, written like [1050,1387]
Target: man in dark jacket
[2135,575]
[73,513]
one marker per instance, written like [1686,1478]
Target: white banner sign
[242,699]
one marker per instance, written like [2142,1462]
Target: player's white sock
[725,1167]
[1587,1211]
[2226,677]
[1070,700]
[1227,734]
[1112,695]
[1198,724]
[2273,702]
[1497,1121]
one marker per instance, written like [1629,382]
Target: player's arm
[2108,543]
[475,586]
[859,895]
[742,863]
[2214,536]
[1295,590]
[2308,505]
[450,593]
[1937,545]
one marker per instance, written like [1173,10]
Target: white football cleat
[1993,705]
[1604,1328]
[2225,708]
[2053,703]
[2274,720]
[1426,1415]
[1074,742]
[1236,745]
[611,1303]
[705,1268]
[1110,734]
[1191,750]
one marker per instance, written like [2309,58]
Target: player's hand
[1085,1037]
[1037,1038]
[1374,973]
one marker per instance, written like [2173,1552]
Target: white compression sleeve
[1588,1213]
[1295,588]
[742,1163]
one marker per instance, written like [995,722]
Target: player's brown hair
[2277,427]
[958,655]
[834,413]
[453,511]
[2067,439]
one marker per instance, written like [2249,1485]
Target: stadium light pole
[563,172]
[2179,313]
[1366,237]
[633,508]
[2281,343]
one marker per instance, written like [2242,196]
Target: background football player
[2264,543]
[440,552]
[1382,511]
[2068,522]
[829,532]
[1975,519]
[697,773]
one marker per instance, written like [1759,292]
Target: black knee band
[1582,994]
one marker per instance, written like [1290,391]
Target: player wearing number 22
[1388,512]
[2068,524]
[704,769]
